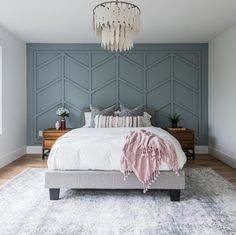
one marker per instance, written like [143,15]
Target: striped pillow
[111,121]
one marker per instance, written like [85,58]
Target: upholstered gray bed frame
[92,179]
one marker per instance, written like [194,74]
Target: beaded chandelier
[116,23]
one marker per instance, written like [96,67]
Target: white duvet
[99,149]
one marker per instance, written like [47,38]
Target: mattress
[100,149]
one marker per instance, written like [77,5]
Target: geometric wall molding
[167,77]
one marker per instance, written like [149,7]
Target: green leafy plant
[175,119]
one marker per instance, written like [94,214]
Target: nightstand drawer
[183,136]
[186,145]
[53,135]
[48,143]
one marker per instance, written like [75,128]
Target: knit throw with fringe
[143,153]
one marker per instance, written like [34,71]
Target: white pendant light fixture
[116,23]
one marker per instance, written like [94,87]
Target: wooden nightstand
[185,137]
[49,138]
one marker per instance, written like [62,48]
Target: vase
[174,125]
[63,124]
[57,125]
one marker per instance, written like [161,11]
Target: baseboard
[201,149]
[12,156]
[227,159]
[34,149]
[38,149]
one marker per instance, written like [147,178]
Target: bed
[89,158]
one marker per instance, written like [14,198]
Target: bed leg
[175,195]
[54,193]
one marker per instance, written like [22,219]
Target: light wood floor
[35,161]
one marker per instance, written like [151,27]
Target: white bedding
[99,149]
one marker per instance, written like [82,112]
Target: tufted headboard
[151,111]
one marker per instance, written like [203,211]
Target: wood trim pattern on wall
[166,79]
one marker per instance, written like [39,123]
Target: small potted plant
[62,113]
[175,119]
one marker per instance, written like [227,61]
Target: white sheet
[99,149]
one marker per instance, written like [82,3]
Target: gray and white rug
[208,206]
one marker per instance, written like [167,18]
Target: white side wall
[222,97]
[13,137]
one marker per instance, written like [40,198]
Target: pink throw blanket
[143,154]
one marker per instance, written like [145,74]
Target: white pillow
[147,119]
[87,119]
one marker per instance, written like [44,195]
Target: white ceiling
[163,21]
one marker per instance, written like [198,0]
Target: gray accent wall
[167,77]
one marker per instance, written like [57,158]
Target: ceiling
[163,21]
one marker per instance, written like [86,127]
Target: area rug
[208,206]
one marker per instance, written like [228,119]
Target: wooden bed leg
[54,193]
[175,195]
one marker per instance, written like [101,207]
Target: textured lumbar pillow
[116,121]
[105,112]
[137,111]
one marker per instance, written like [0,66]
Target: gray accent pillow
[137,111]
[105,112]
